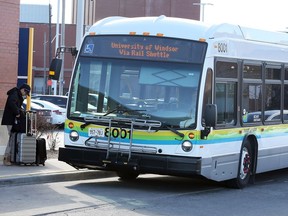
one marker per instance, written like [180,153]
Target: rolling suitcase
[13,146]
[24,149]
[41,154]
[26,145]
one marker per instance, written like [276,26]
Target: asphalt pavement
[53,171]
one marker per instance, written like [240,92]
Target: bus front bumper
[142,163]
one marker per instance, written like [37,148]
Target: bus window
[226,98]
[285,92]
[251,99]
[207,98]
[226,92]
[272,95]
[226,69]
[208,88]
[252,72]
[252,93]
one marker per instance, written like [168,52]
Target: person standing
[12,111]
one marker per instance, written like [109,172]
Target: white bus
[177,97]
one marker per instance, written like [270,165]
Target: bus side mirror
[210,115]
[210,119]
[55,69]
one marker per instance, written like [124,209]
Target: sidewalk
[53,171]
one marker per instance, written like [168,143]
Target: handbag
[19,125]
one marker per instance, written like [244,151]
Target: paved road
[148,195]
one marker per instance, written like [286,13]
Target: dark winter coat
[12,106]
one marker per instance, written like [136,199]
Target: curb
[55,177]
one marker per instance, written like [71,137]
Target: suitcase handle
[31,122]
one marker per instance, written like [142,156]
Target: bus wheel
[245,167]
[127,174]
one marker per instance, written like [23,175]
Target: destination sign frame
[144,48]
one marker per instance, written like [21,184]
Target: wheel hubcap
[245,163]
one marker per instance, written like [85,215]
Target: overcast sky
[265,14]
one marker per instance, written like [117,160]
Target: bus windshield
[136,88]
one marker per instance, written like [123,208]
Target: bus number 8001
[118,132]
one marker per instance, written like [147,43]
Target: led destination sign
[145,48]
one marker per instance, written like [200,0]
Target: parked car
[44,113]
[58,113]
[55,99]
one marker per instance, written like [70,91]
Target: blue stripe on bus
[195,142]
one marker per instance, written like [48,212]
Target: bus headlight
[74,136]
[187,146]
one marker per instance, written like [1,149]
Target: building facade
[98,9]
[43,49]
[95,10]
[9,38]
[41,55]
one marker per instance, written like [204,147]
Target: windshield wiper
[84,125]
[174,130]
[119,109]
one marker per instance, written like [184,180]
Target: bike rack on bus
[114,146]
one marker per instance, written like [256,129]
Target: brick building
[41,32]
[9,25]
[94,11]
[98,9]
[9,34]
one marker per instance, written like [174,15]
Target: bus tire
[127,174]
[245,168]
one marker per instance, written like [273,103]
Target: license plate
[99,132]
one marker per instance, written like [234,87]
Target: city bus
[174,96]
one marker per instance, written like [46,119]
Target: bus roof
[181,28]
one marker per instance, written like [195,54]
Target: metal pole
[202,12]
[202,8]
[50,34]
[79,22]
[50,46]
[57,26]
[54,82]
[44,64]
[61,80]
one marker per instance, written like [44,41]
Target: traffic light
[55,69]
